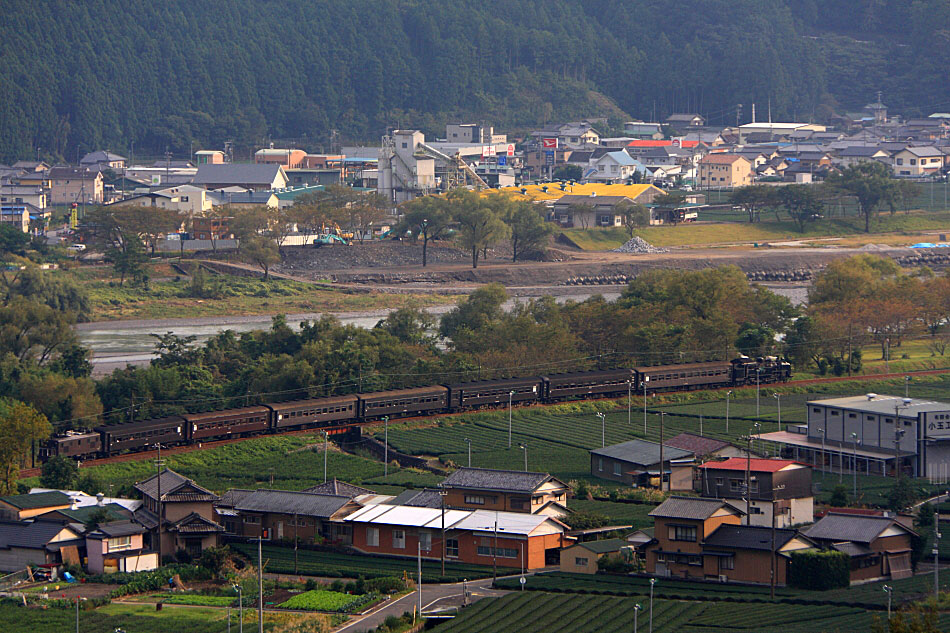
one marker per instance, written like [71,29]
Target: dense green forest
[86,75]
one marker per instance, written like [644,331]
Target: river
[115,344]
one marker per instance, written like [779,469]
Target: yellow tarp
[537,193]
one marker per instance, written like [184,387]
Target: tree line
[869,183]
[350,70]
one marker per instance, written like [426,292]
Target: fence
[12,580]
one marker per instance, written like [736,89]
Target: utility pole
[629,402]
[728,394]
[646,379]
[936,551]
[295,543]
[158,481]
[326,450]
[419,561]
[854,463]
[603,428]
[510,394]
[442,493]
[662,468]
[260,583]
[386,449]
[469,442]
[758,374]
[778,397]
[748,482]
[524,447]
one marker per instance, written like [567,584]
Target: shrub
[819,571]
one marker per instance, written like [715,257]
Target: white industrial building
[872,433]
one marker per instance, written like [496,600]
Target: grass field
[732,229]
[542,612]
[313,563]
[168,296]
[135,618]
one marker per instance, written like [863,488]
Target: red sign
[549,143]
[676,142]
[511,149]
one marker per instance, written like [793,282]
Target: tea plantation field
[542,612]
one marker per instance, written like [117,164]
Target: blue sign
[549,157]
[502,160]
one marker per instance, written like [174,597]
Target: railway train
[339,412]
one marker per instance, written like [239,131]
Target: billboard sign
[937,423]
[488,151]
[549,143]
[510,151]
[549,157]
[502,160]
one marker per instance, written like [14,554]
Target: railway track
[177,450]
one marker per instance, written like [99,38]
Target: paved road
[433,597]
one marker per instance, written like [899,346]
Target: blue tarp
[931,245]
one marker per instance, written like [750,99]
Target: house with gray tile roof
[879,547]
[638,461]
[285,514]
[506,490]
[264,177]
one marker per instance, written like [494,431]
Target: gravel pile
[639,245]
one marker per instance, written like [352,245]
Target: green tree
[568,171]
[426,217]
[475,311]
[870,183]
[635,216]
[839,496]
[260,250]
[527,228]
[128,260]
[901,495]
[60,473]
[34,332]
[21,426]
[753,199]
[802,203]
[12,240]
[479,225]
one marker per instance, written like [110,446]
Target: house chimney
[99,499]
[871,396]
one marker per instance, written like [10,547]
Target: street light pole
[652,582]
[778,397]
[646,379]
[629,402]
[662,468]
[386,449]
[524,447]
[240,608]
[603,427]
[728,394]
[469,442]
[888,589]
[510,394]
[906,386]
[854,463]
[260,583]
[419,562]
[823,435]
[758,374]
[636,611]
[442,493]
[936,559]
[158,481]
[326,450]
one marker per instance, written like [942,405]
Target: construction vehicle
[329,239]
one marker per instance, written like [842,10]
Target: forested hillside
[156,74]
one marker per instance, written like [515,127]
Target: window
[736,485]
[252,520]
[501,552]
[372,537]
[913,161]
[754,485]
[475,500]
[835,413]
[425,540]
[720,481]
[120,543]
[452,547]
[617,468]
[600,464]
[727,562]
[399,539]
[682,533]
[580,562]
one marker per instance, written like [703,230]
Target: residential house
[339,488]
[724,171]
[479,537]
[918,161]
[210,157]
[700,446]
[506,490]
[248,198]
[573,135]
[324,162]
[310,176]
[639,129]
[637,463]
[187,514]
[779,485]
[72,185]
[473,133]
[211,228]
[743,553]
[288,196]
[31,165]
[879,547]
[854,154]
[37,543]
[20,507]
[16,215]
[286,158]
[287,515]
[30,194]
[84,515]
[683,119]
[264,177]
[224,512]
[615,166]
[100,160]
[680,526]
[185,200]
[581,558]
[119,546]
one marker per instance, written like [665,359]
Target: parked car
[76,248]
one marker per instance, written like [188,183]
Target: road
[433,597]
